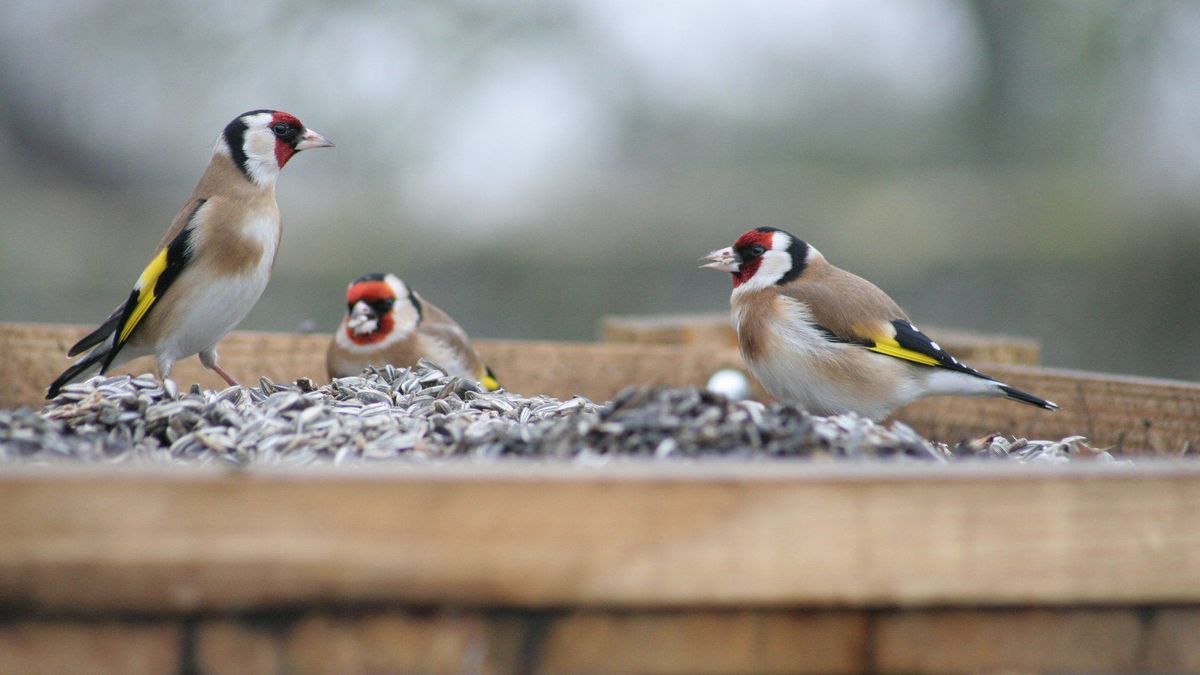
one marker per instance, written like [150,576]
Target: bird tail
[77,371]
[489,380]
[1025,397]
[102,332]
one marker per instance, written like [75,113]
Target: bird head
[260,142]
[762,257]
[379,306]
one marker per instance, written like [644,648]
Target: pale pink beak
[723,260]
[312,139]
[362,319]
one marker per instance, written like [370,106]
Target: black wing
[158,276]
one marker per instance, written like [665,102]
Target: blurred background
[1016,167]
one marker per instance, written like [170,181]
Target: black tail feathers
[1027,398]
[79,368]
[102,333]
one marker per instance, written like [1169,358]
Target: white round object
[730,383]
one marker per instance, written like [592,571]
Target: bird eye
[280,128]
[757,250]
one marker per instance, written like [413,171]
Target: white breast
[217,305]
[802,366]
[791,367]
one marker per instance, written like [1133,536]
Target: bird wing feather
[162,271]
[101,333]
[909,343]
[437,324]
[848,308]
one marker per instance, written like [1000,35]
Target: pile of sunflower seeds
[422,413]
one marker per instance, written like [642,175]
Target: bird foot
[225,376]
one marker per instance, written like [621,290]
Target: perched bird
[387,322]
[830,341]
[214,261]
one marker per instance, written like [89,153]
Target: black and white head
[260,142]
[762,257]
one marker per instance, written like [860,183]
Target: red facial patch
[287,118]
[382,330]
[371,292]
[284,149]
[749,264]
[283,152]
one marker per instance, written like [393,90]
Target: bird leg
[224,375]
[208,358]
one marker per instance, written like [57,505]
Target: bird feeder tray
[1129,415]
[662,566]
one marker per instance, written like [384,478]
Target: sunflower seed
[420,413]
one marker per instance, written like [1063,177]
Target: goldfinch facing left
[833,342]
[387,322]
[214,261]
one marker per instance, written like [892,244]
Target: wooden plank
[706,641]
[691,641]
[598,370]
[624,535]
[1021,640]
[713,329]
[96,647]
[706,328]
[1134,415]
[32,355]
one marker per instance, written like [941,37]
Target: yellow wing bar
[488,379]
[146,297]
[890,347]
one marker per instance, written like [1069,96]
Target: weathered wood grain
[636,535]
[1134,415]
[32,355]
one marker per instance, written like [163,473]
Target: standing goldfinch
[833,342]
[387,322]
[214,261]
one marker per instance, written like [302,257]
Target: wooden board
[704,328]
[1134,415]
[665,535]
[32,355]
[400,639]
[1128,414]
[714,329]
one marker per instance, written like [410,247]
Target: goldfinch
[214,261]
[833,342]
[387,322]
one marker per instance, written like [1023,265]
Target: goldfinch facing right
[387,323]
[214,261]
[833,342]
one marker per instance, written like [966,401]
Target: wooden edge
[711,328]
[1127,414]
[628,469]
[34,354]
[733,537]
